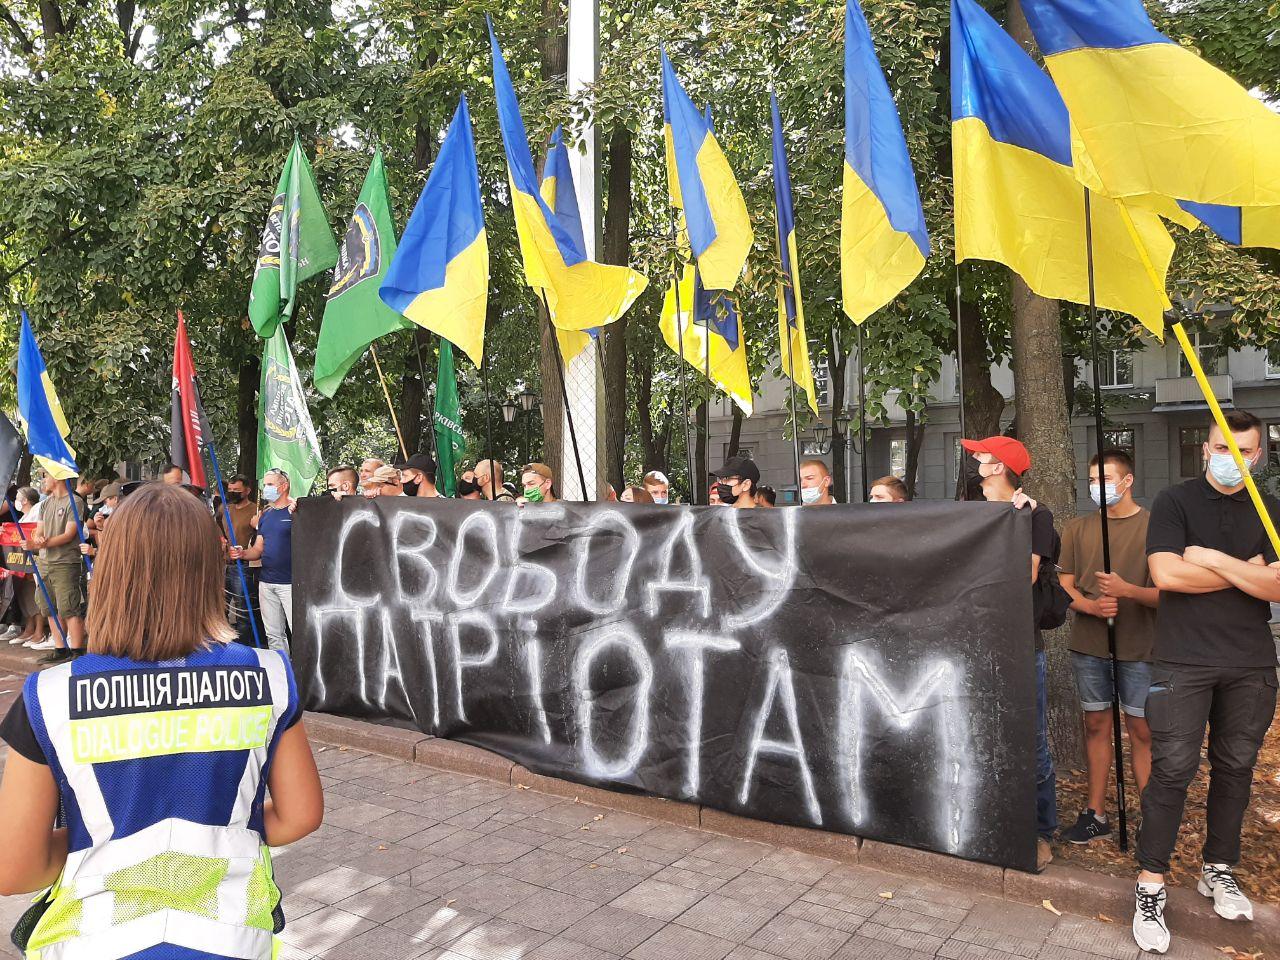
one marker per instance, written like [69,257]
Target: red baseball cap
[1005,449]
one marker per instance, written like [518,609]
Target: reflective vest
[162,768]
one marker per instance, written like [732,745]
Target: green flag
[355,315]
[286,438]
[287,257]
[451,445]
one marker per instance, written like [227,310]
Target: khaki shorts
[66,586]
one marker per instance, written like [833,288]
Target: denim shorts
[1093,681]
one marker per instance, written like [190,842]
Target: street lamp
[844,422]
[822,434]
[508,411]
[527,398]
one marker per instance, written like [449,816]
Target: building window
[747,452]
[812,448]
[898,457]
[822,382]
[1191,442]
[1121,439]
[1273,368]
[1116,368]
[1273,444]
[1210,356]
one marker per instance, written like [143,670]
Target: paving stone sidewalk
[418,863]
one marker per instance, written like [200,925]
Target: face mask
[810,494]
[1113,495]
[660,499]
[1222,467]
[411,489]
[235,497]
[970,480]
[466,487]
[726,493]
[104,512]
[270,493]
[533,494]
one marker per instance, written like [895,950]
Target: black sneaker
[1087,827]
[61,655]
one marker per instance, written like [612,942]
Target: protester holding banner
[488,476]
[815,484]
[888,490]
[657,485]
[418,476]
[274,547]
[538,484]
[342,482]
[383,482]
[367,467]
[204,729]
[1215,657]
[736,482]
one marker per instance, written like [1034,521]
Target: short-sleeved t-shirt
[1225,628]
[1082,558]
[275,526]
[55,515]
[1046,545]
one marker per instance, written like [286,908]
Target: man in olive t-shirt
[1128,596]
[60,564]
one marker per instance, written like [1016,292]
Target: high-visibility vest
[162,769]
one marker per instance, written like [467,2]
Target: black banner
[864,669]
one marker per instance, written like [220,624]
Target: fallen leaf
[450,903]
[584,828]
[577,799]
[886,894]
[522,786]
[592,866]
[623,849]
[382,846]
[343,749]
[1104,918]
[1048,905]
[598,817]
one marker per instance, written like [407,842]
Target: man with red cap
[1001,463]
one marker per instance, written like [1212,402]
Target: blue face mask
[1113,495]
[810,494]
[1223,468]
[270,492]
[660,498]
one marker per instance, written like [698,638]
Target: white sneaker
[46,644]
[11,631]
[1217,881]
[34,640]
[17,638]
[1149,930]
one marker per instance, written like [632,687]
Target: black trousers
[236,611]
[1237,703]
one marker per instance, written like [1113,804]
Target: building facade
[1154,410]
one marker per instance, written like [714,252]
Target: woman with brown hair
[159,746]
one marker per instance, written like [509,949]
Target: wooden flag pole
[373,352]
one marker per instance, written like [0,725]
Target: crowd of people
[1178,623]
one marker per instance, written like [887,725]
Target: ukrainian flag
[1017,199]
[710,330]
[39,412]
[702,185]
[580,293]
[1239,226]
[561,198]
[883,240]
[791,335]
[1152,116]
[439,277]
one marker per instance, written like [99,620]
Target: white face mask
[810,494]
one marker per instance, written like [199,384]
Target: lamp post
[843,422]
[822,436]
[527,399]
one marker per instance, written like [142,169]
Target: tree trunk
[1045,428]
[983,403]
[837,365]
[413,389]
[735,432]
[247,416]
[617,250]
[700,468]
[915,441]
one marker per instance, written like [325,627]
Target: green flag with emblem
[296,244]
[451,445]
[286,438]
[355,315]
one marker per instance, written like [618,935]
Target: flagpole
[862,415]
[231,536]
[564,396]
[488,426]
[791,388]
[71,492]
[964,491]
[706,340]
[373,352]
[684,389]
[1102,513]
[431,420]
[53,611]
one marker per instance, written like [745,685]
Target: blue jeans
[1093,681]
[1046,781]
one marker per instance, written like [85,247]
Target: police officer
[161,746]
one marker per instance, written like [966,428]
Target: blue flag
[39,411]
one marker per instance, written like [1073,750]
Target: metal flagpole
[231,536]
[431,418]
[684,389]
[373,352]
[53,611]
[568,413]
[71,492]
[488,426]
[964,488]
[706,368]
[862,416]
[791,390]
[1102,513]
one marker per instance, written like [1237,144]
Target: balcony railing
[1174,392]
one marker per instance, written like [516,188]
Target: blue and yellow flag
[1239,226]
[580,293]
[1153,117]
[561,197]
[710,331]
[793,342]
[39,412]
[701,184]
[439,277]
[883,240]
[1017,199]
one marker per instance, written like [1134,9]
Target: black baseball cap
[419,461]
[744,468]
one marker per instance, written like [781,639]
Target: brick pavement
[418,864]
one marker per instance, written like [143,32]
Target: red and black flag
[189,427]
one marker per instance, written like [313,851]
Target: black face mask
[411,489]
[235,497]
[466,487]
[725,490]
[971,480]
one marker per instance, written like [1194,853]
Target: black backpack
[1049,600]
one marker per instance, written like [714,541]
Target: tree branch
[19,34]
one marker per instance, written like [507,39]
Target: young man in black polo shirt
[1214,657]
